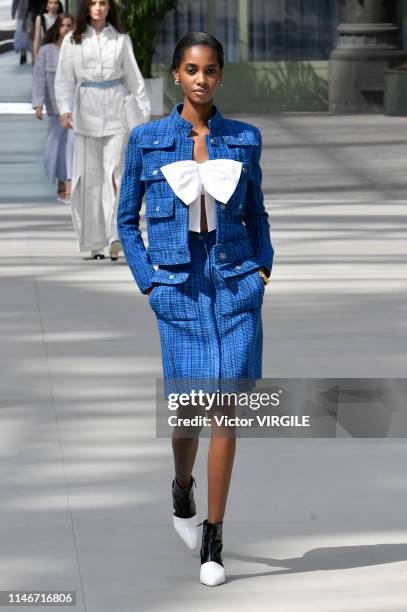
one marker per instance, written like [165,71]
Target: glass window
[292,29]
[189,17]
[227,28]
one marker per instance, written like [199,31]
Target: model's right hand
[66,121]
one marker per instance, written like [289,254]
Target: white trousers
[96,173]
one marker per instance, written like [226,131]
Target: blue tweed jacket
[242,234]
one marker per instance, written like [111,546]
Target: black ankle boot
[212,569]
[184,517]
[183,499]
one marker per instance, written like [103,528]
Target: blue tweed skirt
[210,325]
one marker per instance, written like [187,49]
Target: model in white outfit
[95,81]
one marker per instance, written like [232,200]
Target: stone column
[369,43]
[212,17]
[244,30]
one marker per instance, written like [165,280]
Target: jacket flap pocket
[237,268]
[241,292]
[164,207]
[242,139]
[156,142]
[230,252]
[167,277]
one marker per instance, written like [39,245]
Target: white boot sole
[188,530]
[212,573]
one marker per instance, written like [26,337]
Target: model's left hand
[38,112]
[66,121]
[265,272]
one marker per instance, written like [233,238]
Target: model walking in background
[21,40]
[208,233]
[97,75]
[59,144]
[46,19]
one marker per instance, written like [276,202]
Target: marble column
[369,43]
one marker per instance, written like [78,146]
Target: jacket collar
[109,29]
[215,122]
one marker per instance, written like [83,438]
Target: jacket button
[157,208]
[171,276]
[212,141]
[240,205]
[222,256]
[237,267]
[244,169]
[155,172]
[223,205]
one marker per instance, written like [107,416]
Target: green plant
[142,19]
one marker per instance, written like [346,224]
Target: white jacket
[99,112]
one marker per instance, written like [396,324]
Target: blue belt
[102,84]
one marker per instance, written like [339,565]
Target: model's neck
[98,24]
[197,114]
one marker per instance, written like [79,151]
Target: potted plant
[142,19]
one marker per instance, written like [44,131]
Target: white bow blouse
[217,179]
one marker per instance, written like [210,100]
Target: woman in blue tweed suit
[208,259]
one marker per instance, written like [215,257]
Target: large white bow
[219,178]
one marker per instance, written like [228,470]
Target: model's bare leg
[185,442]
[184,450]
[220,464]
